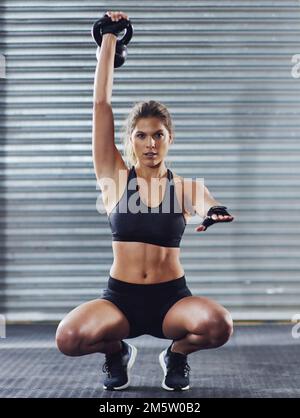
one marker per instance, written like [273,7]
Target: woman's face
[150,135]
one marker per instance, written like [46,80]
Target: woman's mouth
[150,154]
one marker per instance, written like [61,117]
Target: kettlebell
[121,45]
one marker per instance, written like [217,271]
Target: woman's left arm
[206,206]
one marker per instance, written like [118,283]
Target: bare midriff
[143,263]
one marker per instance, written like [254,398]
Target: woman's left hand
[216,218]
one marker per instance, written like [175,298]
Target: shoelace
[179,364]
[180,367]
[111,363]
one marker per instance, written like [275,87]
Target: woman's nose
[151,141]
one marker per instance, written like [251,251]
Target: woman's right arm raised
[106,157]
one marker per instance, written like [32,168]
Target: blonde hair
[144,109]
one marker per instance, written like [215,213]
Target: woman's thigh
[198,315]
[94,320]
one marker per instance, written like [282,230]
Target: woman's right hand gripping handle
[105,55]
[105,153]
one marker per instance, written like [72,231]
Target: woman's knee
[73,341]
[222,329]
[68,340]
[218,326]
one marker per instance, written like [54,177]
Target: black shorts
[145,305]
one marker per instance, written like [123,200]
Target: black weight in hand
[116,28]
[106,25]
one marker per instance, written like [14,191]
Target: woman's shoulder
[178,178]
[184,186]
[185,180]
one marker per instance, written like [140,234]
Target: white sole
[163,365]
[129,366]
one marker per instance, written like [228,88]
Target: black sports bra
[132,220]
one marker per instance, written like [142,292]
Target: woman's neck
[148,173]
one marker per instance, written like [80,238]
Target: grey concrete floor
[259,361]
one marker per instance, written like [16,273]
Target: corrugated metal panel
[224,69]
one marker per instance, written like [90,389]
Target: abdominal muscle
[142,263]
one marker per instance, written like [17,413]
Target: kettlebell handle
[96,33]
[128,34]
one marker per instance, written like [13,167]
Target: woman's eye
[142,135]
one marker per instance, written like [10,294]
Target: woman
[147,291]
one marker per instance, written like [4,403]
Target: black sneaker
[176,370]
[117,367]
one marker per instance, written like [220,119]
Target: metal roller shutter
[224,69]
